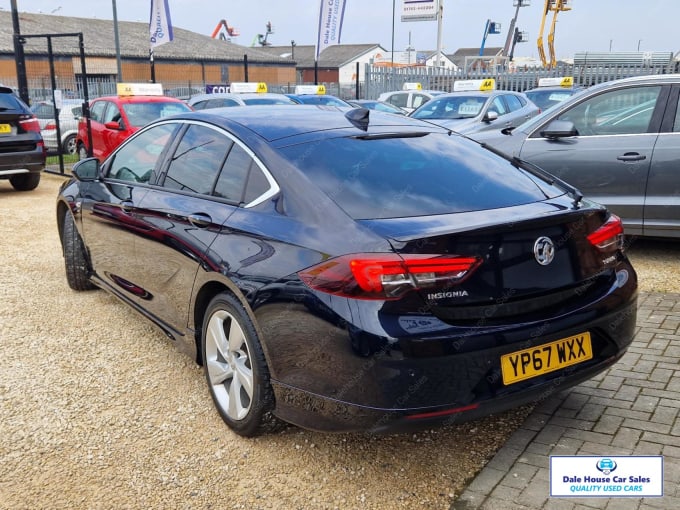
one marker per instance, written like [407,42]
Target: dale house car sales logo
[589,476]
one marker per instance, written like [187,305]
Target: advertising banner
[330,24]
[419,10]
[160,25]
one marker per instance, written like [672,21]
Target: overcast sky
[591,25]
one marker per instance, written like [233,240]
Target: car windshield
[451,107]
[140,114]
[412,176]
[267,100]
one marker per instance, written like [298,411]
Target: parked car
[22,150]
[381,106]
[618,142]
[222,99]
[410,98]
[470,109]
[551,91]
[69,115]
[114,118]
[344,271]
[316,94]
[319,99]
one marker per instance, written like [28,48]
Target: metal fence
[384,79]
[378,80]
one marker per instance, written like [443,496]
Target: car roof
[139,99]
[231,95]
[275,122]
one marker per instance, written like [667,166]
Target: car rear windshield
[372,178]
[9,102]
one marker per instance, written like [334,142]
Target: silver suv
[618,142]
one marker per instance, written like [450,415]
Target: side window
[97,111]
[220,102]
[137,160]
[513,102]
[257,184]
[200,105]
[498,106]
[626,111]
[197,160]
[399,99]
[676,123]
[112,114]
[232,179]
[419,99]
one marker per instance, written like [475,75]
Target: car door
[110,138]
[109,211]
[609,159]
[520,110]
[662,199]
[185,214]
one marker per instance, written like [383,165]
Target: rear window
[413,176]
[9,101]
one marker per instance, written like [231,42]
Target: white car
[220,100]
[408,100]
[70,113]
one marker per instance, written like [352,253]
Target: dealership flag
[330,24]
[160,25]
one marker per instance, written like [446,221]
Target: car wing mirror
[86,170]
[490,116]
[113,125]
[559,129]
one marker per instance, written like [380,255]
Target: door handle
[631,156]
[200,220]
[127,206]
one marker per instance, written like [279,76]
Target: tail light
[29,123]
[51,125]
[609,237]
[386,276]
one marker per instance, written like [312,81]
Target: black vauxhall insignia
[345,272]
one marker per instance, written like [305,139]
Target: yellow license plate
[527,363]
[5,128]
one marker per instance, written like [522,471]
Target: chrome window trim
[273,185]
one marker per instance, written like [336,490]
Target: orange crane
[555,6]
[233,32]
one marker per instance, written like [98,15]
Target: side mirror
[559,129]
[490,116]
[113,125]
[86,170]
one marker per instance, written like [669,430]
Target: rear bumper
[13,163]
[330,376]
[319,413]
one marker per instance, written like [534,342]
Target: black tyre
[69,145]
[82,152]
[75,260]
[25,182]
[235,367]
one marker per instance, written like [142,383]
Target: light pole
[22,81]
[511,30]
[117,41]
[639,41]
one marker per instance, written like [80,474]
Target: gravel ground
[100,411]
